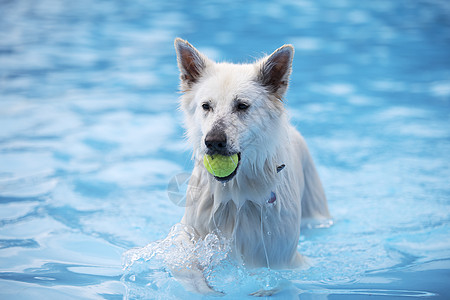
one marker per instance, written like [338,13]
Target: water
[90,138]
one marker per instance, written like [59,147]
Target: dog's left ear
[275,70]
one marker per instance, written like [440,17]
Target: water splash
[147,270]
[150,266]
[180,247]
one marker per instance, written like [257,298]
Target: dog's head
[234,108]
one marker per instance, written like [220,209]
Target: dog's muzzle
[216,143]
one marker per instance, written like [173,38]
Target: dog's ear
[275,70]
[190,62]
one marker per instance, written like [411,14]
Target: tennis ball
[220,165]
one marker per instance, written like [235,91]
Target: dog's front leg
[188,272]
[193,280]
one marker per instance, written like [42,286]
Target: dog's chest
[258,231]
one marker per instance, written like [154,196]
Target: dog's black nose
[216,140]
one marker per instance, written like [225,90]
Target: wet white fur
[263,234]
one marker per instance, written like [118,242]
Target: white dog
[238,109]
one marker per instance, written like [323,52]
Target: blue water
[90,138]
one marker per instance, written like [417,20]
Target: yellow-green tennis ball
[220,165]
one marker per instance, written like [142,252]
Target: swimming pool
[90,138]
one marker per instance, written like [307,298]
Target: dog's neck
[254,181]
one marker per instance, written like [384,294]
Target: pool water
[90,137]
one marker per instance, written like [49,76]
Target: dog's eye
[242,106]
[206,106]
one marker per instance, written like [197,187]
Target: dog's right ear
[190,62]
[275,70]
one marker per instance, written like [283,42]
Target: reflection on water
[90,137]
